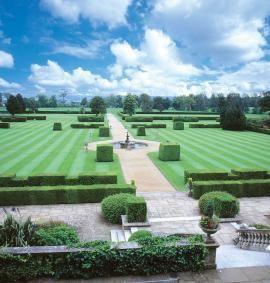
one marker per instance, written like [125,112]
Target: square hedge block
[104,131]
[169,151]
[141,131]
[136,209]
[57,126]
[5,125]
[104,153]
[177,125]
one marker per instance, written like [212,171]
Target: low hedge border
[185,119]
[4,125]
[149,126]
[86,126]
[240,188]
[258,130]
[235,174]
[39,195]
[138,119]
[55,180]
[179,113]
[90,118]
[13,119]
[204,126]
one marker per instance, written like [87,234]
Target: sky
[159,47]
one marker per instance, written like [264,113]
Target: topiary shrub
[177,125]
[141,131]
[169,151]
[57,126]
[114,206]
[5,125]
[104,131]
[104,153]
[136,209]
[225,204]
[141,234]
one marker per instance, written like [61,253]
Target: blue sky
[160,47]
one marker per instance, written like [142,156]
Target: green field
[33,147]
[208,149]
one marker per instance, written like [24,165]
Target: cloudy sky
[160,47]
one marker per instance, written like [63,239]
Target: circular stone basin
[130,145]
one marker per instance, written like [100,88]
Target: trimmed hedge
[149,126]
[138,119]
[55,180]
[36,117]
[179,113]
[225,204]
[104,131]
[90,118]
[141,131]
[140,234]
[61,194]
[240,188]
[169,151]
[250,173]
[5,125]
[162,117]
[13,119]
[204,126]
[136,209]
[104,153]
[258,130]
[86,126]
[178,125]
[57,126]
[185,119]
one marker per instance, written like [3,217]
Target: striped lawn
[209,149]
[33,147]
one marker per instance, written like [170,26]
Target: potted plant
[209,223]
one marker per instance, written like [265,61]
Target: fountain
[128,144]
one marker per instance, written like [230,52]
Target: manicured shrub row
[122,115]
[236,174]
[104,131]
[13,119]
[141,131]
[240,188]
[57,180]
[225,204]
[57,112]
[177,125]
[90,118]
[185,119]
[204,126]
[169,151]
[104,153]
[258,130]
[179,113]
[209,118]
[138,119]
[136,209]
[61,194]
[140,234]
[57,126]
[148,126]
[4,125]
[157,255]
[35,117]
[162,117]
[86,126]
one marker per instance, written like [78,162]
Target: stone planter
[209,232]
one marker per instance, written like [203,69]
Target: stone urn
[209,232]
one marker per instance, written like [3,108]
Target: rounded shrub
[140,235]
[114,206]
[225,204]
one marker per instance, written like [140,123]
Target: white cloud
[224,31]
[6,60]
[4,39]
[8,85]
[110,12]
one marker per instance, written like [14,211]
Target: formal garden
[99,192]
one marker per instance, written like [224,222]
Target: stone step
[118,235]
[127,234]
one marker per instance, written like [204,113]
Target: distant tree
[167,103]
[63,95]
[264,102]
[98,105]
[146,102]
[189,102]
[31,104]
[1,99]
[178,103]
[213,103]
[129,104]
[52,101]
[84,102]
[221,103]
[200,102]
[13,105]
[42,100]
[118,101]
[21,103]
[233,117]
[158,103]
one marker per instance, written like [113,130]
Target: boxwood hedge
[136,209]
[148,126]
[178,125]
[204,126]
[91,118]
[104,153]
[104,131]
[86,126]
[5,125]
[141,131]
[169,151]
[57,126]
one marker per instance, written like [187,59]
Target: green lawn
[33,147]
[209,149]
